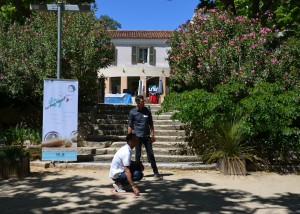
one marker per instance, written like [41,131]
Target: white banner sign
[60,115]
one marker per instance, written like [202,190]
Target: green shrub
[12,153]
[267,119]
[17,135]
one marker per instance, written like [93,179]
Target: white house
[139,55]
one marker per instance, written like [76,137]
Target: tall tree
[110,23]
[19,10]
[28,54]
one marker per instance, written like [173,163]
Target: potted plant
[14,158]
[14,162]
[228,147]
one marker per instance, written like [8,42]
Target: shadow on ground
[83,194]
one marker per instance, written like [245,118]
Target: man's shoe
[118,187]
[158,176]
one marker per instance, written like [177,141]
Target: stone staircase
[109,130]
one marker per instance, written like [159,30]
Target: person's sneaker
[118,187]
[158,176]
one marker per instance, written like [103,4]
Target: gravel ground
[56,190]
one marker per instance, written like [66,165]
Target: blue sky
[147,15]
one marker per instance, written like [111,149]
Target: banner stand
[60,119]
[54,162]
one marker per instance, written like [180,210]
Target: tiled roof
[140,34]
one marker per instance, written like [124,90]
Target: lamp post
[59,7]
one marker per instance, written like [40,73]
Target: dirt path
[90,191]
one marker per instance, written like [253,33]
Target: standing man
[140,120]
[122,170]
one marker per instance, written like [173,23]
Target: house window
[143,55]
[140,55]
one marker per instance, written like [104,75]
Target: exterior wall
[124,56]
[124,67]
[161,55]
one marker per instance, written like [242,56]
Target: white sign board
[60,116]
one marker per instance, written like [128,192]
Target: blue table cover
[117,99]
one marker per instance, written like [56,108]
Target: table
[118,99]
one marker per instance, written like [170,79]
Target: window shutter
[152,55]
[134,55]
[115,61]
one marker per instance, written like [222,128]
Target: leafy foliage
[110,23]
[12,153]
[29,54]
[17,135]
[286,13]
[19,10]
[236,79]
[240,120]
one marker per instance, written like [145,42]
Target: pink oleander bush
[230,71]
[218,48]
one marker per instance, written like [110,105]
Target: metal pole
[59,5]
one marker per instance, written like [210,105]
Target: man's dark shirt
[139,121]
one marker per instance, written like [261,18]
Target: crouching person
[123,171]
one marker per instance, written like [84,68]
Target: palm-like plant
[229,146]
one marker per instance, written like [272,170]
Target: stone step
[166,122]
[113,117]
[111,132]
[110,126]
[86,150]
[124,132]
[125,121]
[160,117]
[124,127]
[109,144]
[170,132]
[169,138]
[106,165]
[159,158]
[112,121]
[93,144]
[103,138]
[114,107]
[165,113]
[114,112]
[113,138]
[122,113]
[125,116]
[169,127]
[113,150]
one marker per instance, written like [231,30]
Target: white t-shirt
[121,159]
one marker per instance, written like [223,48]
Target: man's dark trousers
[148,146]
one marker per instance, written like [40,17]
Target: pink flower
[273,60]
[253,71]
